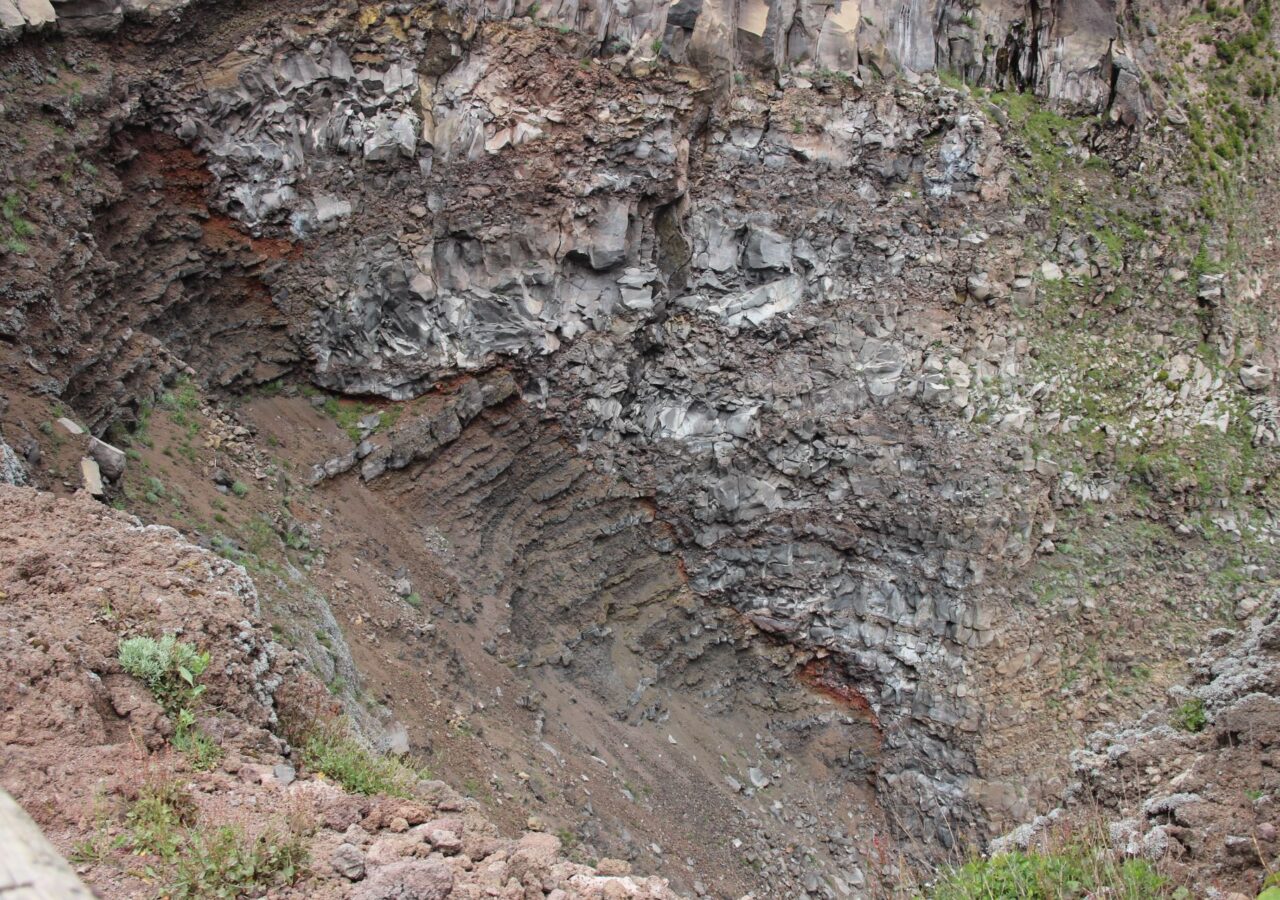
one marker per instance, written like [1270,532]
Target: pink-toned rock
[407,880]
[447,842]
[534,852]
[389,848]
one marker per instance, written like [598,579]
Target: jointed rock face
[822,414]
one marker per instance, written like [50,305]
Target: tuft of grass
[230,864]
[239,488]
[1073,871]
[157,820]
[1190,716]
[332,749]
[200,750]
[185,396]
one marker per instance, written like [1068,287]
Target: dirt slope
[85,745]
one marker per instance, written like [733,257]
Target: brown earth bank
[87,747]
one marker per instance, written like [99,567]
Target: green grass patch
[1190,716]
[230,864]
[333,750]
[1074,871]
[224,862]
[12,221]
[347,415]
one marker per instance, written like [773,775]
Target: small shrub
[229,864]
[157,818]
[1190,716]
[337,753]
[168,667]
[239,488]
[656,46]
[414,600]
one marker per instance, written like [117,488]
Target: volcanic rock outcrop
[805,387]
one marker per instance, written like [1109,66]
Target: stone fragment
[92,477]
[613,867]
[1247,607]
[348,861]
[416,879]
[37,13]
[12,22]
[88,16]
[111,460]
[1050,271]
[70,427]
[1255,376]
[447,842]
[606,237]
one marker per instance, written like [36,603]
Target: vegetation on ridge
[169,668]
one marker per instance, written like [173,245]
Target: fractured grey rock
[767,250]
[348,861]
[11,469]
[111,460]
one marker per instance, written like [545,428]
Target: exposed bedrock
[726,311]
[742,324]
[571,578]
[1076,51]
[152,285]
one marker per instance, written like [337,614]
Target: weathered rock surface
[1190,785]
[76,721]
[719,379]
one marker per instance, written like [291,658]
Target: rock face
[629,281]
[1184,785]
[1073,52]
[722,344]
[12,472]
